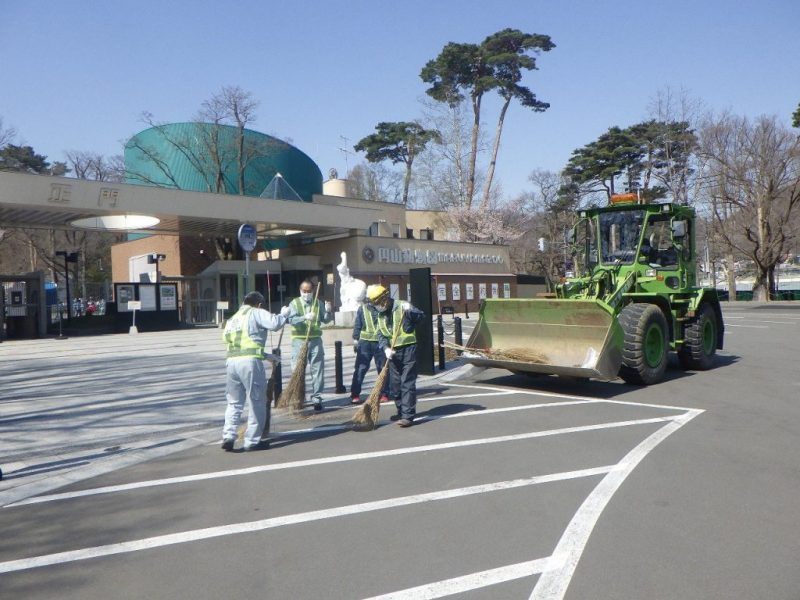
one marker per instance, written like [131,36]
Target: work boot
[356,399]
[405,422]
[227,445]
[396,417]
[262,445]
[384,398]
[318,405]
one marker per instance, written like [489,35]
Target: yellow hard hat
[375,291]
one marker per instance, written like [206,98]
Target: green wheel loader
[630,298]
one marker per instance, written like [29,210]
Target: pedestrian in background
[245,336]
[305,317]
[365,346]
[402,354]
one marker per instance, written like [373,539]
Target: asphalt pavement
[72,408]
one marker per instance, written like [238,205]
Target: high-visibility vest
[369,332]
[238,340]
[301,329]
[403,338]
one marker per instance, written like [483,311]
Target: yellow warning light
[624,198]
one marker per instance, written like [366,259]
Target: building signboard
[431,257]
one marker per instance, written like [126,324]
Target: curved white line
[553,583]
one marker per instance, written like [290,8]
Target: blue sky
[77,74]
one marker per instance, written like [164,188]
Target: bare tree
[442,170]
[552,211]
[374,181]
[94,166]
[752,174]
[231,105]
[214,146]
[677,166]
[7,134]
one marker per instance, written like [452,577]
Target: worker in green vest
[245,336]
[397,340]
[305,316]
[365,346]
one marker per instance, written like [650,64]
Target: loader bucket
[576,338]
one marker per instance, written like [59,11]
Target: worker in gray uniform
[245,336]
[305,316]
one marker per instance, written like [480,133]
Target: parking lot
[506,487]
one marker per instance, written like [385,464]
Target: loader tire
[644,354]
[699,341]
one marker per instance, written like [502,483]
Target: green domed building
[205,157]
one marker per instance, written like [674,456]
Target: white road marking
[553,583]
[293,519]
[466,583]
[749,315]
[748,326]
[556,570]
[773,322]
[580,399]
[529,392]
[336,459]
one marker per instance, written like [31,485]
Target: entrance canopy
[45,202]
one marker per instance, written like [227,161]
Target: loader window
[584,248]
[657,244]
[619,236]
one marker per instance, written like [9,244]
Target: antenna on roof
[346,151]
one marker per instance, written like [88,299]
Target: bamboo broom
[367,415]
[294,394]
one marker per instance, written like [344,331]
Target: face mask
[306,296]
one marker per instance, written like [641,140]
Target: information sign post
[133,305]
[247,240]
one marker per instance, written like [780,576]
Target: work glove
[285,312]
[406,306]
[328,307]
[310,315]
[389,353]
[355,347]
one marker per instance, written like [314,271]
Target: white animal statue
[351,290]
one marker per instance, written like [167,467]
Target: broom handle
[397,329]
[280,336]
[316,295]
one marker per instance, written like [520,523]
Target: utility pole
[69,257]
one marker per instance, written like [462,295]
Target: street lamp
[69,257]
[153,259]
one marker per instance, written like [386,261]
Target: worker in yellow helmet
[365,345]
[398,342]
